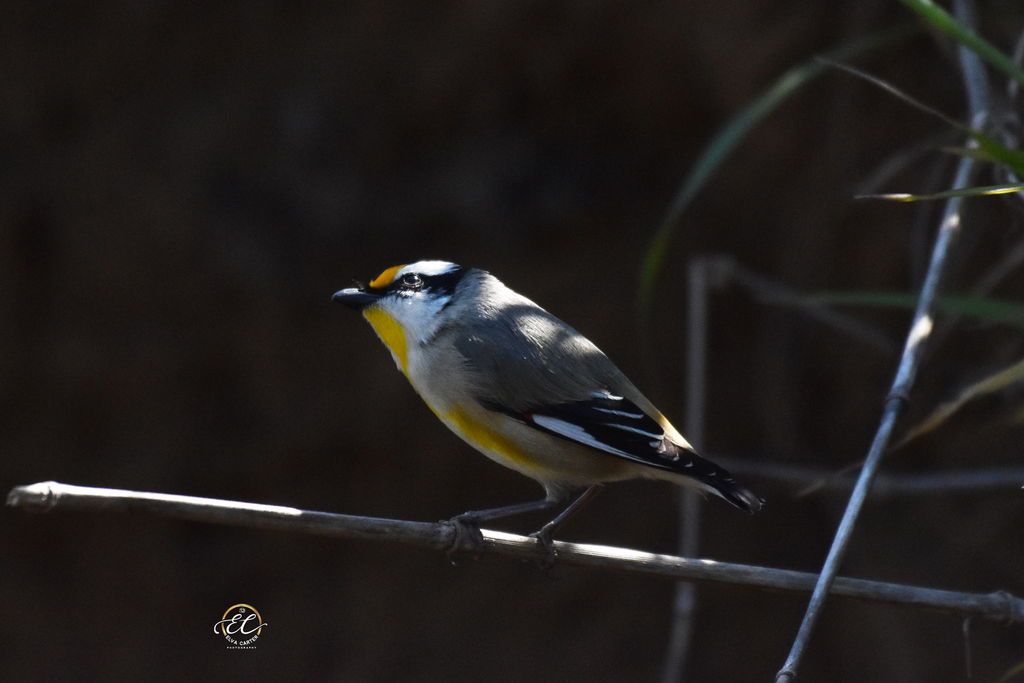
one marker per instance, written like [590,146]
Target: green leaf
[1012,673]
[989,385]
[991,149]
[734,132]
[982,308]
[965,192]
[945,22]
[1010,157]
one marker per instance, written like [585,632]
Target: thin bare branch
[920,331]
[999,606]
[684,605]
[774,293]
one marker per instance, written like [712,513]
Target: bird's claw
[544,541]
[469,538]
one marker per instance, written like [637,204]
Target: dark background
[183,185]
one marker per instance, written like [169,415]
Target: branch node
[898,395]
[1013,607]
[467,537]
[785,675]
[41,497]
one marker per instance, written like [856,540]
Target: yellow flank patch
[486,438]
[385,278]
[391,333]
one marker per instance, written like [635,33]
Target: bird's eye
[411,281]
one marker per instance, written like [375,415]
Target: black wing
[616,425]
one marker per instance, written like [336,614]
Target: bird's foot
[544,541]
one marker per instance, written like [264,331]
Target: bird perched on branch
[526,389]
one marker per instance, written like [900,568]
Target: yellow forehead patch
[386,278]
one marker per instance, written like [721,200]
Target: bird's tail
[696,472]
[738,495]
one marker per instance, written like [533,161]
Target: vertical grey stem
[685,602]
[920,330]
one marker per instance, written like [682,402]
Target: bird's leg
[544,535]
[467,525]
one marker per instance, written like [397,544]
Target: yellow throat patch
[391,333]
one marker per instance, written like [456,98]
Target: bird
[527,390]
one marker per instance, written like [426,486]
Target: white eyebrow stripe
[428,268]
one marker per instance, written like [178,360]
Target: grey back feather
[521,357]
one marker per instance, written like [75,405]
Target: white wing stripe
[574,432]
[637,431]
[605,394]
[621,413]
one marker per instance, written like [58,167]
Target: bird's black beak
[356,298]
